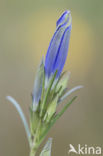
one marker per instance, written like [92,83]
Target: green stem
[33,151]
[33,148]
[35,142]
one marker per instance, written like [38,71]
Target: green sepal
[38,85]
[51,109]
[54,119]
[63,110]
[43,104]
[34,118]
[62,84]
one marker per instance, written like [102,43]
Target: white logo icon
[85,150]
[72,149]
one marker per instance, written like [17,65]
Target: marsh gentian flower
[50,89]
[58,48]
[55,57]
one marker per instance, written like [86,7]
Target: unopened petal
[58,48]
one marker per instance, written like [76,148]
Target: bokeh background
[26,28]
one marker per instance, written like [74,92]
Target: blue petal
[58,46]
[63,20]
[62,52]
[52,51]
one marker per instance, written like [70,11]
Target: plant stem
[33,152]
[34,142]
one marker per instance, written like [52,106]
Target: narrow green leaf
[69,92]
[43,86]
[22,116]
[57,117]
[63,82]
[47,93]
[51,109]
[33,121]
[38,86]
[63,110]
[47,148]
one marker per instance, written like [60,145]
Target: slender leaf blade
[22,116]
[70,92]
[57,117]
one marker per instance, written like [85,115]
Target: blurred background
[26,28]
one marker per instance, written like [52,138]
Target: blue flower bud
[58,48]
